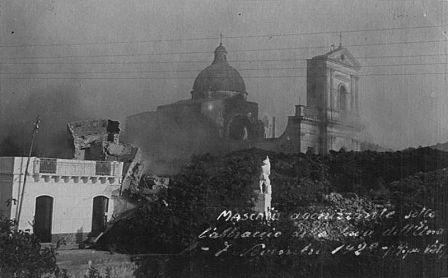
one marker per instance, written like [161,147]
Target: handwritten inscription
[234,232]
[384,213]
[414,224]
[401,250]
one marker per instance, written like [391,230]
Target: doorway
[239,128]
[99,214]
[43,216]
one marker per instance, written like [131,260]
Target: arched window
[343,98]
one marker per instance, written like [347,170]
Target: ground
[76,262]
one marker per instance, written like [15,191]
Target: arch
[343,98]
[43,217]
[100,208]
[239,128]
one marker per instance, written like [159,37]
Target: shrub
[21,254]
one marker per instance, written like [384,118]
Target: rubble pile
[100,140]
[150,188]
[87,136]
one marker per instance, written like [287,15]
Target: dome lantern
[220,54]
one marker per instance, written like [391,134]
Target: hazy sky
[55,56]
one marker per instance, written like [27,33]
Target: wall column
[329,91]
[322,138]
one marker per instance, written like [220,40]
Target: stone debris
[149,188]
[87,134]
[100,140]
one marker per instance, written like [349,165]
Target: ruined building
[218,118]
[100,140]
[91,137]
[64,200]
[69,200]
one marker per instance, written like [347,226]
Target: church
[330,120]
[218,118]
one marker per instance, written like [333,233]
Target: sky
[70,60]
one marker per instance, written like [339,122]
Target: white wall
[73,191]
[72,203]
[6,166]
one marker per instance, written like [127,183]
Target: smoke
[55,106]
[168,142]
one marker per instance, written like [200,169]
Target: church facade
[330,120]
[218,118]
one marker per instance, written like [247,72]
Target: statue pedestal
[262,202]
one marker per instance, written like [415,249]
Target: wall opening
[99,214]
[239,128]
[342,98]
[43,216]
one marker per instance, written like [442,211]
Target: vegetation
[347,181]
[340,181]
[21,254]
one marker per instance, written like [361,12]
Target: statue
[265,183]
[263,201]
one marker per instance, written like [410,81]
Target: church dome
[218,77]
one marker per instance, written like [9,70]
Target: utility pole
[340,39]
[33,136]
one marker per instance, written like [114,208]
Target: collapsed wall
[88,134]
[100,140]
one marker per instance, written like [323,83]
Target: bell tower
[332,82]
[332,96]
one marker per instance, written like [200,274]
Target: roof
[219,76]
[340,55]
